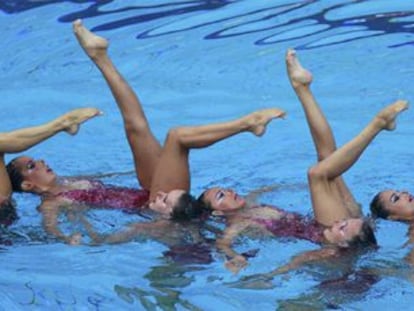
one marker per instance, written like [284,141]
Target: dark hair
[366,237]
[8,213]
[187,208]
[206,205]
[16,177]
[377,207]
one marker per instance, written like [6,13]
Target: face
[165,201]
[400,205]
[343,231]
[223,200]
[36,173]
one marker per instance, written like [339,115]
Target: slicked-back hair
[366,237]
[378,208]
[16,177]
[206,206]
[187,208]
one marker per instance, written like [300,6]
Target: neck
[51,190]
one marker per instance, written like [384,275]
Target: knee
[316,172]
[174,135]
[134,128]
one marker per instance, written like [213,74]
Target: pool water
[194,62]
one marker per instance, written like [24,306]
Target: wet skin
[399,204]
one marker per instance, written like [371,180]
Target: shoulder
[53,203]
[82,184]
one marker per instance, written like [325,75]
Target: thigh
[327,202]
[172,170]
[354,209]
[146,152]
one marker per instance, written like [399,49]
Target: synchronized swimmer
[163,171]
[338,220]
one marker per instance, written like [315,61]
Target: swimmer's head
[351,233]
[221,201]
[187,207]
[393,205]
[176,205]
[29,175]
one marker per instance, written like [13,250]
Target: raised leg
[146,150]
[173,169]
[321,132]
[324,194]
[22,139]
[300,80]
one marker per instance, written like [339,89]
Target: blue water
[195,62]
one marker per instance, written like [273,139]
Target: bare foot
[72,120]
[386,117]
[258,120]
[93,45]
[297,74]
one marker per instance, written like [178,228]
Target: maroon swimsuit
[109,196]
[294,225]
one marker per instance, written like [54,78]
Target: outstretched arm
[162,230]
[235,261]
[22,139]
[50,214]
[304,258]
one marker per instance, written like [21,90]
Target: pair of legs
[22,139]
[331,198]
[161,168]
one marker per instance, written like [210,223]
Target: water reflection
[166,282]
[319,23]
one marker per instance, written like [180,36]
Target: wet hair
[187,207]
[16,177]
[366,237]
[8,214]
[377,207]
[205,205]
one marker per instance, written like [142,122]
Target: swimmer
[161,170]
[22,139]
[396,205]
[338,221]
[393,205]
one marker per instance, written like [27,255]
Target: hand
[236,263]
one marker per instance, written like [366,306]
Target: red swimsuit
[294,225]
